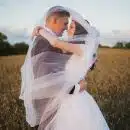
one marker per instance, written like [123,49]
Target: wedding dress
[79,111]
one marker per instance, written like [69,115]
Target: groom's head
[57,21]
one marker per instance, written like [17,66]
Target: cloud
[15,35]
[115,36]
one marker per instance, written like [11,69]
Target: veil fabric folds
[48,76]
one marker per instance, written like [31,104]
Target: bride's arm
[65,46]
[74,48]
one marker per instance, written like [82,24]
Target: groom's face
[61,24]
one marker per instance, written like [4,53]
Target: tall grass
[109,84]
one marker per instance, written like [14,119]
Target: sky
[110,17]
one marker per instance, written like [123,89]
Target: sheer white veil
[48,89]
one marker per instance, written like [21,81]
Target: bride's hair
[79,29]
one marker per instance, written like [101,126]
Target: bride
[77,111]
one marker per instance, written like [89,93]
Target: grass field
[109,84]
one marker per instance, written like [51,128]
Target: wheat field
[109,84]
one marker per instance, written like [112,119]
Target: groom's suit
[42,45]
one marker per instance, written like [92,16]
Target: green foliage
[127,45]
[103,46]
[20,48]
[124,45]
[4,44]
[119,45]
[3,37]
[7,49]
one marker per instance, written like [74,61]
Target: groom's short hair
[58,13]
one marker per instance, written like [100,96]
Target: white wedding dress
[79,111]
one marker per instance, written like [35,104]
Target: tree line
[120,45]
[21,48]
[8,49]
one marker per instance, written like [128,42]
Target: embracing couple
[53,74]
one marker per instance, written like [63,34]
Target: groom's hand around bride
[36,31]
[83,85]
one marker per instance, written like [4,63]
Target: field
[109,84]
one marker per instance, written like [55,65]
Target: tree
[127,45]
[119,45]
[3,37]
[20,48]
[103,46]
[5,47]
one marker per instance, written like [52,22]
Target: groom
[56,24]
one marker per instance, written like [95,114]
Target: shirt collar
[50,31]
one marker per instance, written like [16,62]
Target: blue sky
[108,16]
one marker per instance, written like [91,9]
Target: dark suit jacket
[42,66]
[42,45]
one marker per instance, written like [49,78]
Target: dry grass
[109,83]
